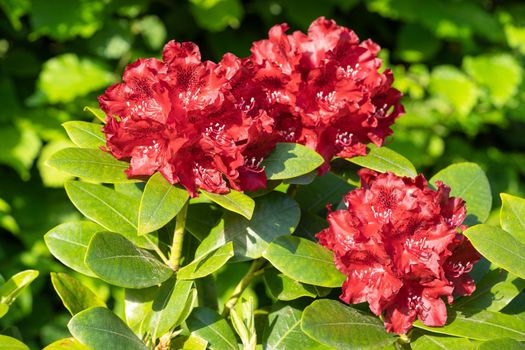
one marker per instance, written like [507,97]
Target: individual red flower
[399,243]
[325,89]
[179,116]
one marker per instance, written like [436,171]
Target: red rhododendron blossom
[325,89]
[400,246]
[178,116]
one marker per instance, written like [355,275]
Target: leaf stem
[178,238]
[157,250]
[254,270]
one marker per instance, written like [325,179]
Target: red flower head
[180,117]
[400,247]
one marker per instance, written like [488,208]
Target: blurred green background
[459,64]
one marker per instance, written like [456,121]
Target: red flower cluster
[209,125]
[400,247]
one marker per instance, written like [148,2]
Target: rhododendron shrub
[203,185]
[399,243]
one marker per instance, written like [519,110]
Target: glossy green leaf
[499,247]
[439,342]
[468,181]
[67,344]
[340,326]
[138,303]
[208,325]
[234,201]
[201,218]
[275,215]
[284,288]
[3,310]
[304,261]
[501,344]
[99,328]
[482,325]
[283,330]
[383,159]
[160,202]
[512,216]
[191,342]
[68,243]
[118,261]
[8,343]
[97,113]
[328,188]
[168,306]
[74,295]
[10,290]
[206,264]
[289,160]
[84,134]
[90,164]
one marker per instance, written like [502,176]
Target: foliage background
[459,63]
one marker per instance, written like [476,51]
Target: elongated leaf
[90,164]
[84,134]
[234,201]
[10,290]
[439,342]
[340,326]
[3,310]
[501,344]
[99,328]
[499,247]
[67,344]
[383,159]
[68,243]
[168,306]
[290,160]
[275,215]
[138,303]
[74,295]
[207,264]
[208,325]
[468,181]
[284,288]
[304,261]
[119,262]
[201,218]
[325,189]
[8,343]
[160,202]
[97,113]
[283,330]
[512,216]
[482,325]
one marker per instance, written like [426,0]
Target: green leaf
[234,201]
[8,343]
[208,325]
[119,262]
[495,291]
[99,328]
[289,160]
[439,342]
[216,15]
[84,134]
[68,243]
[383,159]
[168,306]
[97,113]
[52,177]
[284,288]
[499,247]
[468,181]
[153,31]
[14,10]
[334,324]
[482,325]
[283,330]
[114,40]
[10,290]
[451,84]
[304,261]
[206,264]
[66,77]
[512,216]
[201,218]
[328,188]
[138,303]
[67,344]
[19,148]
[3,310]
[90,164]
[500,344]
[275,215]
[160,202]
[74,295]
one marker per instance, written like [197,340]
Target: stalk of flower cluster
[178,238]
[255,270]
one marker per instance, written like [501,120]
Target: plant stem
[254,270]
[178,238]
[157,250]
